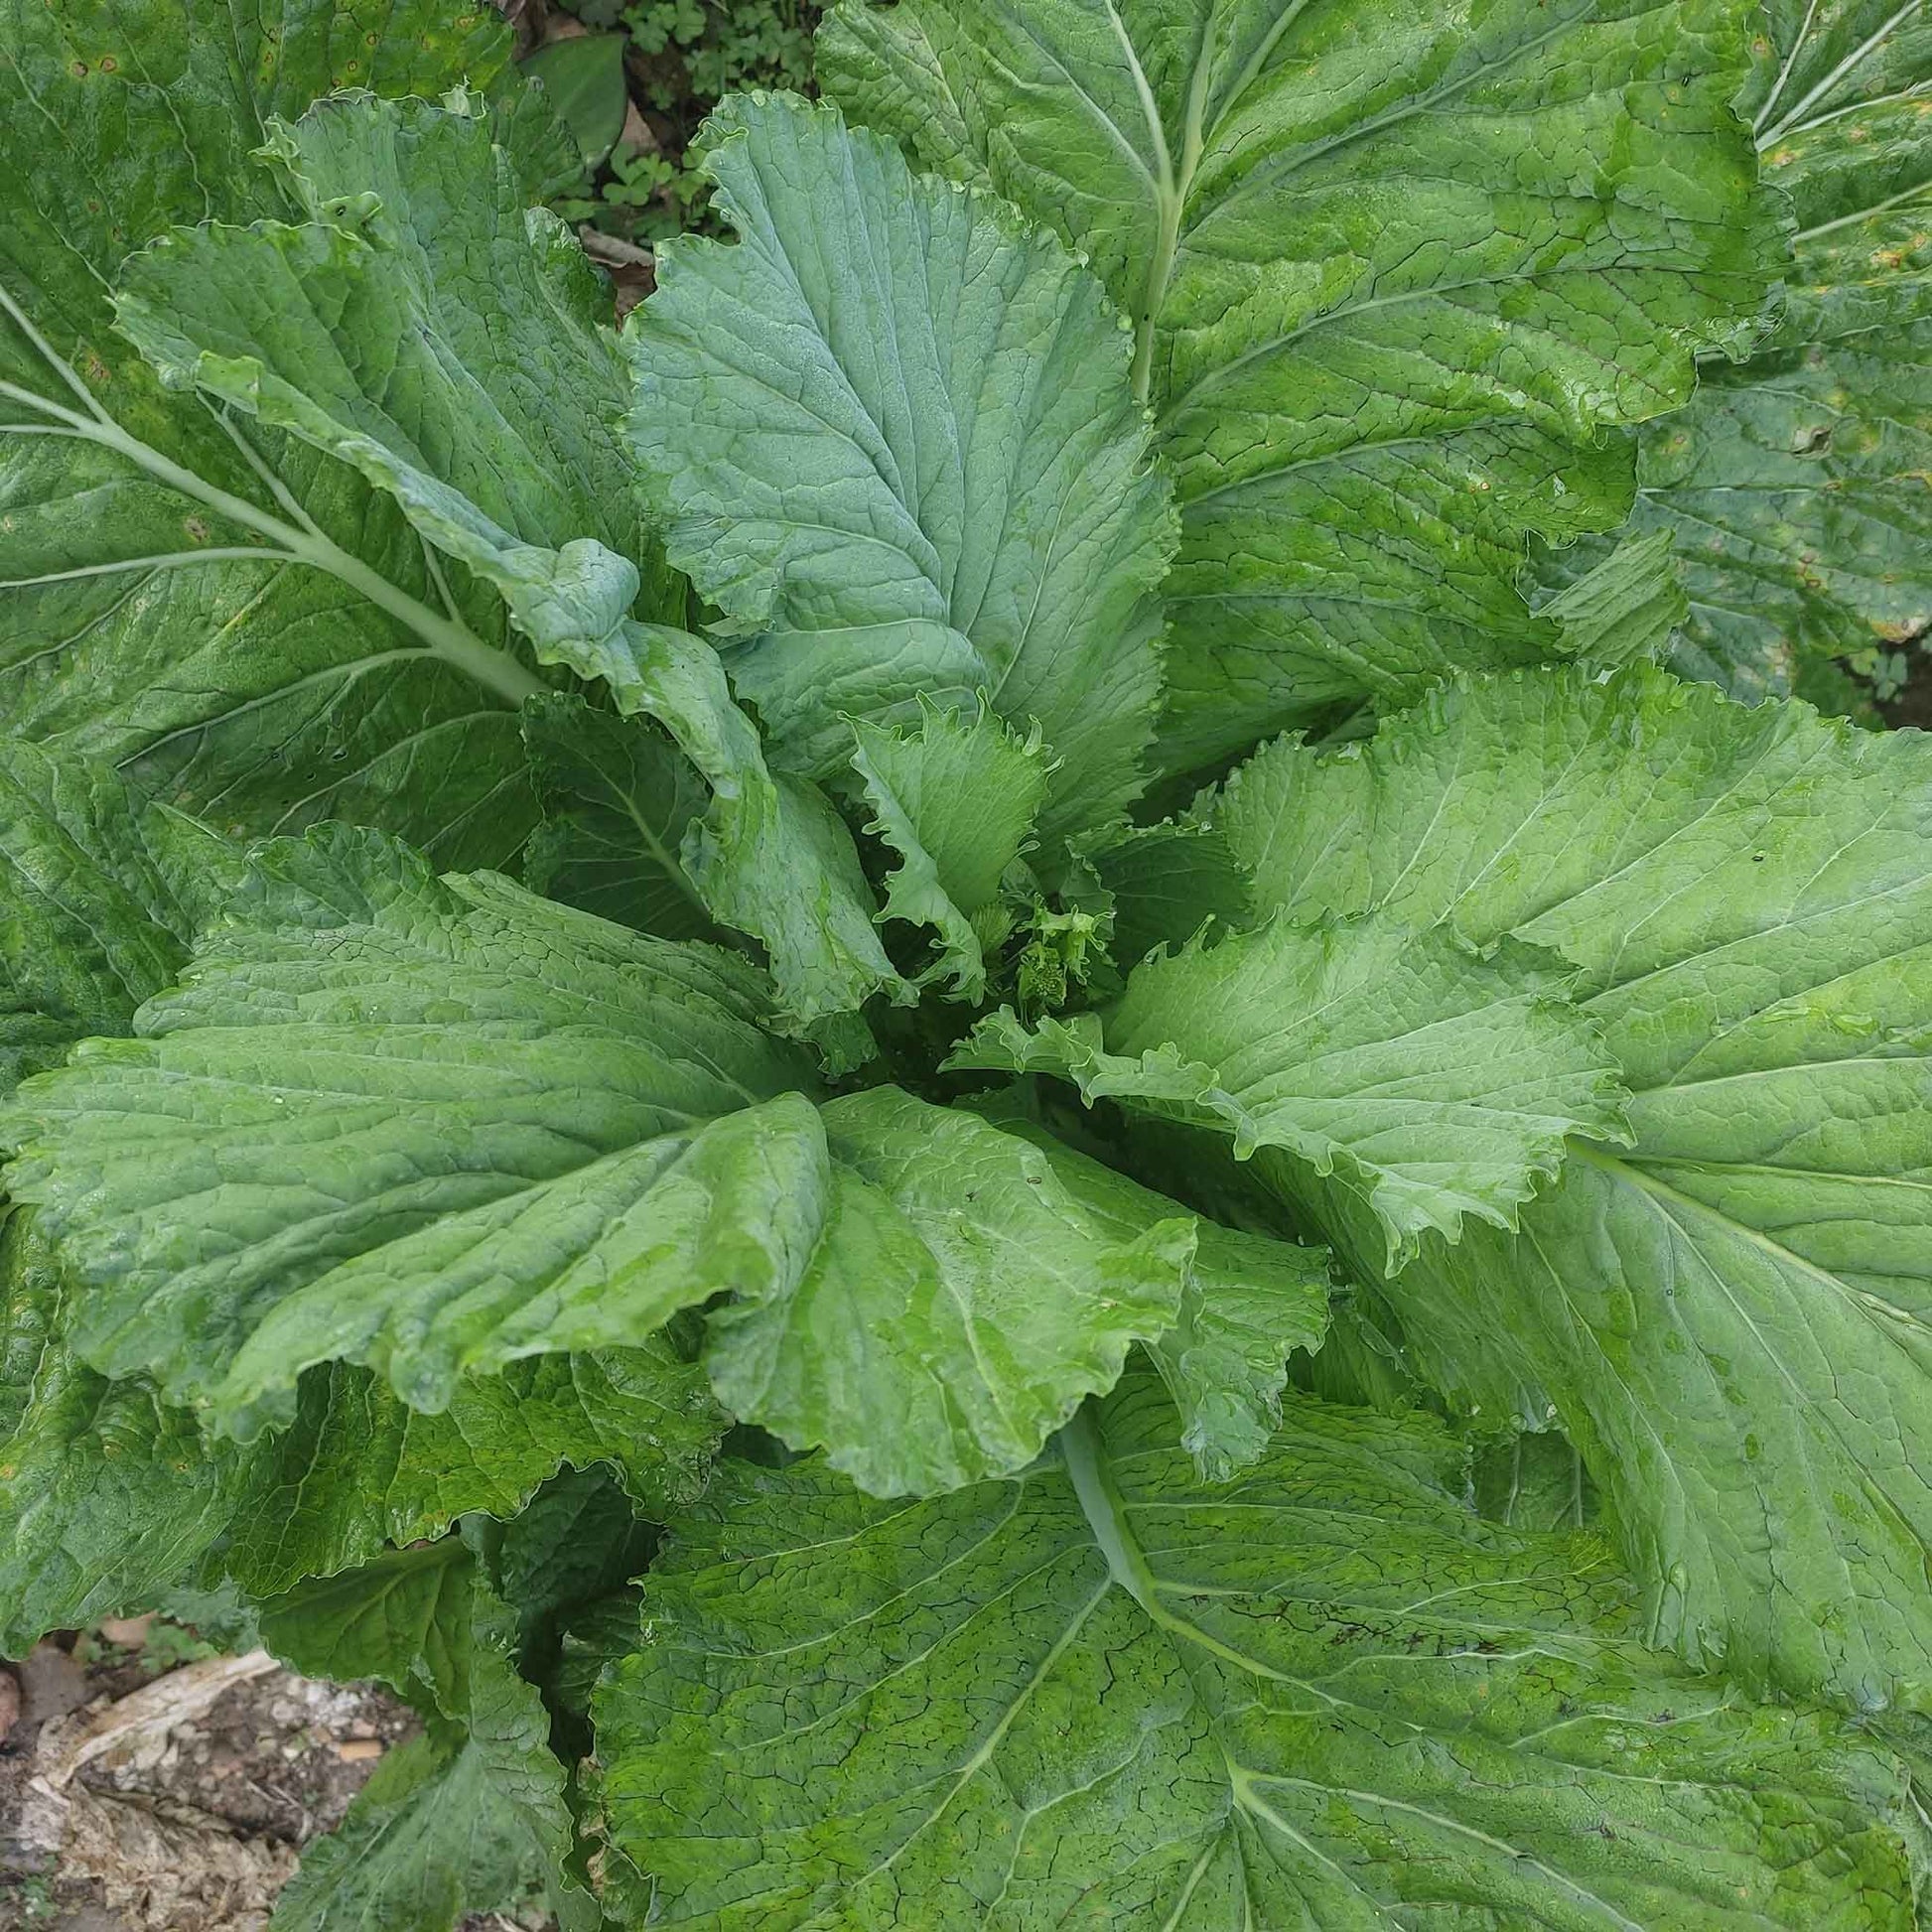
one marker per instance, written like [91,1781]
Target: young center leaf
[440,1126]
[957,801]
[896,441]
[1727,1314]
[235,615]
[1390,270]
[1399,1067]
[1328,1696]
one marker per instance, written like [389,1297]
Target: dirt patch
[162,1788]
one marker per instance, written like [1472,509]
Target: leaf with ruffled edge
[493,427]
[238,620]
[958,802]
[1728,1316]
[1401,1068]
[1392,268]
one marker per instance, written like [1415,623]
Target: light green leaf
[1627,606]
[494,428]
[1401,1068]
[958,802]
[1795,483]
[236,619]
[1729,1319]
[964,1296]
[405,1118]
[896,439]
[1251,1301]
[489,423]
[1097,1692]
[427,1624]
[439,1126]
[1391,267]
[98,897]
[618,798]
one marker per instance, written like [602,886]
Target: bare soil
[152,1786]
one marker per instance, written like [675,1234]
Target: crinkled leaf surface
[896,438]
[1391,266]
[427,330]
[99,896]
[439,1126]
[1728,1316]
[388,1090]
[358,1468]
[1796,483]
[618,800]
[235,615]
[1399,1067]
[957,800]
[111,1495]
[1100,1693]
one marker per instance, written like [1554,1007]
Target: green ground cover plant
[1024,1077]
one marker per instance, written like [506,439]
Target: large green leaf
[235,615]
[897,444]
[1795,484]
[1330,1697]
[1728,1318]
[1401,1069]
[111,1495]
[437,1127]
[1391,267]
[962,1296]
[478,1819]
[107,1495]
[492,1081]
[493,426]
[1251,1301]
[359,331]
